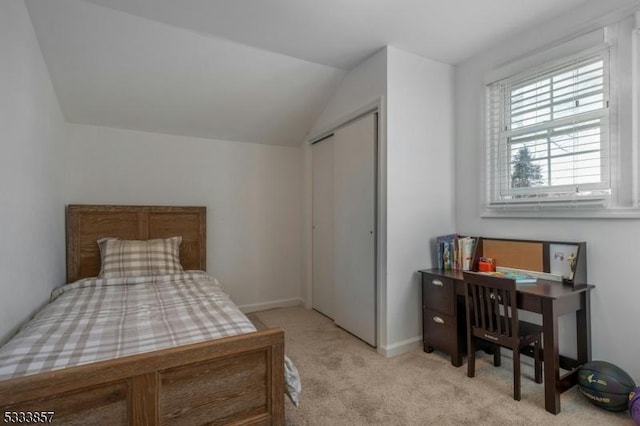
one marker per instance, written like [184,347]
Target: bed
[237,379]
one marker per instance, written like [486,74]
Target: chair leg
[516,374]
[471,358]
[537,361]
[497,359]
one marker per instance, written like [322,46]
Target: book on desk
[455,252]
[522,276]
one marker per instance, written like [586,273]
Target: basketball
[605,385]
[634,405]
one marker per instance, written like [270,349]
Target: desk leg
[583,323]
[551,356]
[456,359]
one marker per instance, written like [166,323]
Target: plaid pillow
[130,258]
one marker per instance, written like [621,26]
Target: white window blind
[548,135]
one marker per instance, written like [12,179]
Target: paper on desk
[536,274]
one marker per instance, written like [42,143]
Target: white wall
[420,176]
[611,243]
[32,250]
[251,191]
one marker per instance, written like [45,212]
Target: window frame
[500,195]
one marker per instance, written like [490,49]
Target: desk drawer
[440,331]
[438,293]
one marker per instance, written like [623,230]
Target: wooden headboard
[88,223]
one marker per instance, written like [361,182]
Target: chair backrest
[492,311]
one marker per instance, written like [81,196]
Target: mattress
[99,319]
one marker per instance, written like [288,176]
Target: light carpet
[345,382]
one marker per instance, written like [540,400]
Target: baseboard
[400,347]
[284,303]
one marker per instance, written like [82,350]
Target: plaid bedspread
[97,319]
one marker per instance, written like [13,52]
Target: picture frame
[563,259]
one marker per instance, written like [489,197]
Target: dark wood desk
[442,291]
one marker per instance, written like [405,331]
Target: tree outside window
[525,173]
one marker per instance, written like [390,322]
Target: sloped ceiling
[246,70]
[342,33]
[114,69]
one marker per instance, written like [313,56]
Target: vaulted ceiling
[246,70]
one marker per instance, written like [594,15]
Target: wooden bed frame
[233,380]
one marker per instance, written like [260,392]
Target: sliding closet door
[322,211]
[354,236]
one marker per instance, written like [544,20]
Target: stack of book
[455,252]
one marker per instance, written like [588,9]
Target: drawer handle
[438,320]
[438,283]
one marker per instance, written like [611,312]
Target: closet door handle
[437,283]
[438,320]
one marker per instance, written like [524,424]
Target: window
[549,135]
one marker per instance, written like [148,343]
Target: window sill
[564,213]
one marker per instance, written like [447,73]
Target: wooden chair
[492,315]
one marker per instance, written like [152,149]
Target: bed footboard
[235,380]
